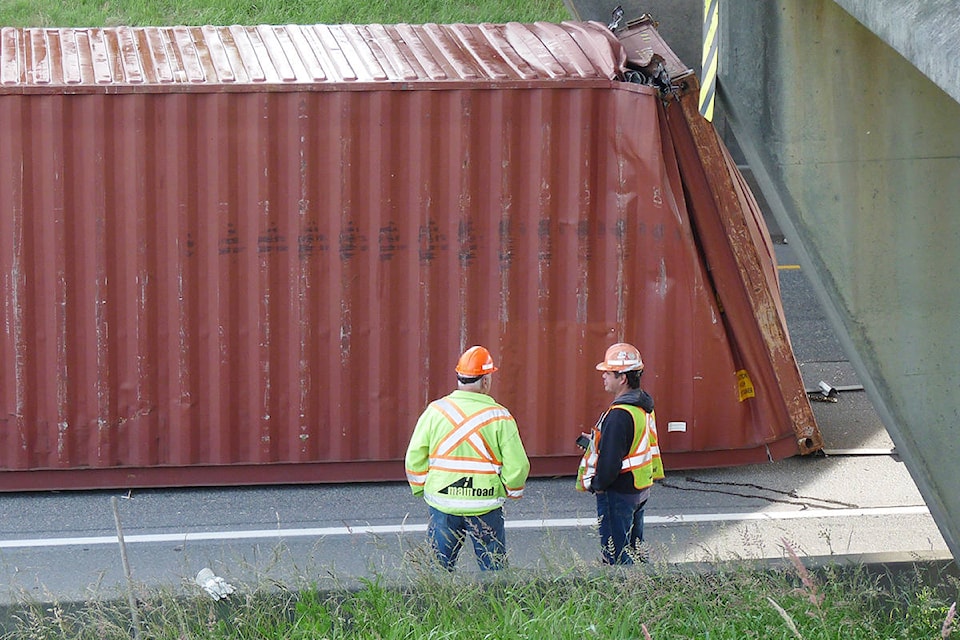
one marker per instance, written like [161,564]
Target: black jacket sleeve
[616,436]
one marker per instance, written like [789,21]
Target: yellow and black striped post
[708,70]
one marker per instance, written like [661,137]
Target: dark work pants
[446,534]
[620,517]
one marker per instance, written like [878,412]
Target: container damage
[241,255]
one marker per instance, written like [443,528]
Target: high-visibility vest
[643,461]
[465,456]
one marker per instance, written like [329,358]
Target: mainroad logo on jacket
[464,487]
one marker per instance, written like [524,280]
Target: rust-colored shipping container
[237,255]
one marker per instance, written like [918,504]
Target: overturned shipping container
[235,255]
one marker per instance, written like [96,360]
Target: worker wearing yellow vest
[622,458]
[466,458]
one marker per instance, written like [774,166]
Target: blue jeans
[621,527]
[446,534]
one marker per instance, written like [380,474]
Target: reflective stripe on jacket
[465,456]
[643,461]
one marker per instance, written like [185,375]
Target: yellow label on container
[745,385]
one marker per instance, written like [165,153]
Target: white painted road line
[733,517]
[561,523]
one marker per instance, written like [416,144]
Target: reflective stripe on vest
[513,493]
[417,479]
[588,463]
[464,465]
[643,453]
[645,457]
[466,429]
[441,502]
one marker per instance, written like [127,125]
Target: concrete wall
[922,31]
[858,155]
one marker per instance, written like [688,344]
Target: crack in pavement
[807,502]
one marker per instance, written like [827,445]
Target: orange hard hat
[621,357]
[475,361]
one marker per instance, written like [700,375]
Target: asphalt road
[856,503]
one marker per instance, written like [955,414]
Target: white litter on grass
[214,585]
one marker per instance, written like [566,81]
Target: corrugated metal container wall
[238,255]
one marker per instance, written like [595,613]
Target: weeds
[947,627]
[652,602]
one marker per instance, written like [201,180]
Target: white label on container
[676,426]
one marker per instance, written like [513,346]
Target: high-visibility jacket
[465,456]
[643,461]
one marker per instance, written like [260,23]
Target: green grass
[657,602]
[91,13]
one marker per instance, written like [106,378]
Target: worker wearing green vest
[466,458]
[621,459]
